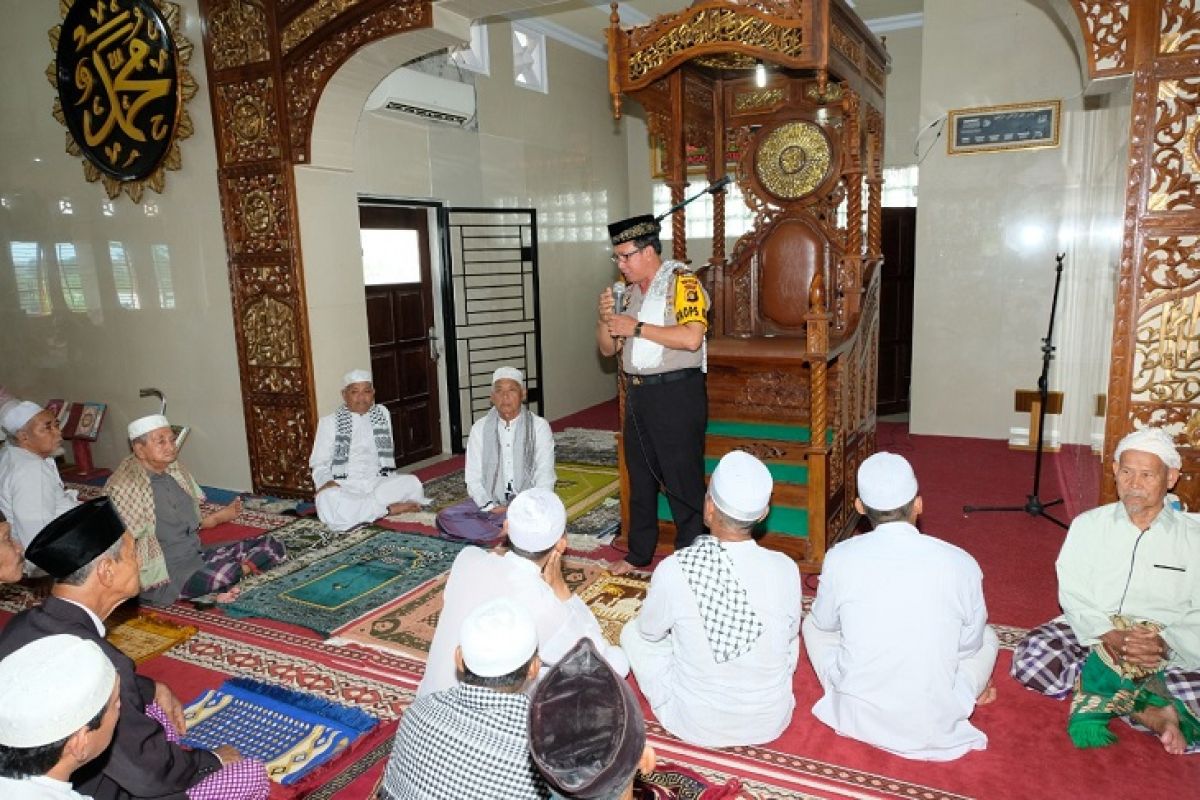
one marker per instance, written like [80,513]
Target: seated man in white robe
[530,574]
[898,632]
[510,449]
[717,640]
[353,461]
[31,492]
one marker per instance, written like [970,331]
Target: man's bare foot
[988,695]
[1164,721]
[403,508]
[621,568]
[230,596]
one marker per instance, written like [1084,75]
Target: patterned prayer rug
[348,583]
[144,636]
[252,517]
[308,542]
[406,625]
[291,732]
[586,446]
[615,599]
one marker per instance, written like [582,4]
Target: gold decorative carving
[836,465]
[738,61]
[741,301]
[1180,31]
[260,212]
[775,390]
[247,121]
[848,46]
[269,327]
[708,27]
[282,442]
[1166,362]
[1175,176]
[304,79]
[304,24]
[237,33]
[761,98]
[273,279]
[831,94]
[793,159]
[875,74]
[1106,27]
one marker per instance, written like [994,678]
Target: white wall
[107,352]
[903,99]
[988,227]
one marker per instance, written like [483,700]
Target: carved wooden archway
[1154,375]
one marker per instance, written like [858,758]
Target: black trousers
[664,439]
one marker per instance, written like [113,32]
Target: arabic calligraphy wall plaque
[121,72]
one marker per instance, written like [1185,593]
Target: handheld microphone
[618,293]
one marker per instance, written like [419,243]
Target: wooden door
[896,310]
[401,325]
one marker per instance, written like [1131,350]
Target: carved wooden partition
[794,326]
[268,61]
[1154,376]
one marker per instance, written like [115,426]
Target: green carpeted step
[763,430]
[782,519]
[782,473]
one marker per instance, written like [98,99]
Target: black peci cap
[627,230]
[74,538]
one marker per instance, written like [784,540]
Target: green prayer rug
[350,582]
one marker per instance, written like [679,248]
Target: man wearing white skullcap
[716,642]
[530,574]
[472,740]
[59,703]
[31,491]
[898,632]
[510,449]
[353,461]
[160,503]
[1129,587]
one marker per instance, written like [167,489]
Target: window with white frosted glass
[390,256]
[738,217]
[900,186]
[30,277]
[70,277]
[160,254]
[123,277]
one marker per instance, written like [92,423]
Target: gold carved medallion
[120,70]
[793,159]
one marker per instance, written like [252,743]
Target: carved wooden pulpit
[792,94]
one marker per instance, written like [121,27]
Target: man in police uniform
[659,333]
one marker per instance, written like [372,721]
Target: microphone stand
[1034,506]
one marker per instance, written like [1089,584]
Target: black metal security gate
[490,308]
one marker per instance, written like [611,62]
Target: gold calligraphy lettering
[113,151]
[123,114]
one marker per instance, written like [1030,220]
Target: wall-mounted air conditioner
[419,95]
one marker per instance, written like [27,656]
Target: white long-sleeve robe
[31,491]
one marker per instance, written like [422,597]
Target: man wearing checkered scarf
[717,640]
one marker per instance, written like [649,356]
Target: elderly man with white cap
[160,503]
[472,740]
[59,704]
[717,639]
[529,573]
[898,632]
[31,492]
[353,461]
[1129,587]
[510,449]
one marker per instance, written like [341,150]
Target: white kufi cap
[741,486]
[51,688]
[536,520]
[1150,440]
[143,425]
[509,373]
[356,376]
[18,416]
[497,637]
[886,482]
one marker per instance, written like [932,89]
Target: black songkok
[586,731]
[633,228]
[74,539]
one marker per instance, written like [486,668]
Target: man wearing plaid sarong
[1128,582]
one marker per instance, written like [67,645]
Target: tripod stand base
[1034,507]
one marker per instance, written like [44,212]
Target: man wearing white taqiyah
[530,574]
[510,449]
[31,492]
[353,459]
[717,640]
[59,698]
[898,632]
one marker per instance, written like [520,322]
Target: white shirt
[1107,566]
[31,492]
[910,608]
[363,464]
[479,576]
[544,476]
[747,699]
[38,788]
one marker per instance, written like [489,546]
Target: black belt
[662,377]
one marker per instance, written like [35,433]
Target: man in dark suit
[94,565]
